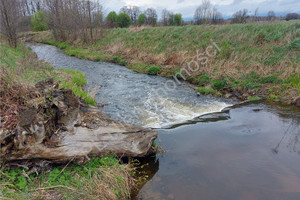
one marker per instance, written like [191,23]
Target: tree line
[132,15]
[84,19]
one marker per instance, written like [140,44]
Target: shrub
[124,20]
[153,70]
[142,19]
[203,79]
[112,19]
[177,19]
[117,59]
[38,21]
[97,59]
[123,62]
[218,84]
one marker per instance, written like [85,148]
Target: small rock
[238,94]
[198,94]
[297,101]
[245,96]
[228,95]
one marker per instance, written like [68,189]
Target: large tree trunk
[61,128]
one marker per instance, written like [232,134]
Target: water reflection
[228,155]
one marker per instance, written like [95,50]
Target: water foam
[159,112]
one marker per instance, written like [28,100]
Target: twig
[66,166]
[52,187]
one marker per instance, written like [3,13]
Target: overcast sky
[227,7]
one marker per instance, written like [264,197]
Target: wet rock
[228,95]
[297,101]
[63,128]
[245,96]
[238,94]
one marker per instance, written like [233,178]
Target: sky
[226,7]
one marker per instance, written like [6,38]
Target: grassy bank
[101,178]
[253,60]
[21,65]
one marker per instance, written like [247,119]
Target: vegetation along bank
[253,61]
[44,113]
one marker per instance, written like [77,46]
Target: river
[214,148]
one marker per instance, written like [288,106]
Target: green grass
[15,185]
[72,181]
[253,98]
[205,91]
[203,79]
[252,56]
[218,84]
[153,70]
[77,84]
[22,65]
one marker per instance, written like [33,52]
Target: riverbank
[23,78]
[246,61]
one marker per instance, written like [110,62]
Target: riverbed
[214,148]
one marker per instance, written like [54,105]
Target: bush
[142,19]
[123,62]
[203,79]
[97,59]
[112,19]
[38,21]
[218,84]
[117,59]
[153,70]
[124,20]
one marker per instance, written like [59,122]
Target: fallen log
[60,127]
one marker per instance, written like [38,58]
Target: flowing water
[248,151]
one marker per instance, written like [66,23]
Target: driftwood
[60,127]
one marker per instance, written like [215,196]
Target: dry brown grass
[113,183]
[14,96]
[133,29]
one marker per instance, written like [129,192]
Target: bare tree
[271,16]
[203,13]
[31,6]
[291,16]
[165,14]
[151,16]
[216,16]
[10,12]
[206,14]
[255,16]
[132,11]
[75,18]
[240,16]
